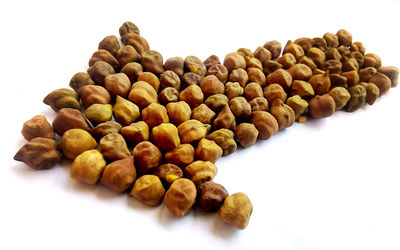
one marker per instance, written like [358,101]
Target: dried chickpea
[256,75]
[149,190]
[240,76]
[99,70]
[286,60]
[38,153]
[79,80]
[262,54]
[125,112]
[192,95]
[381,81]
[338,80]
[236,210]
[294,49]
[283,114]
[181,156]
[245,52]
[210,85]
[175,64]
[332,40]
[372,60]
[281,77]
[192,131]
[142,94]
[240,108]
[127,54]
[165,136]
[180,197]
[75,141]
[319,43]
[132,70]
[252,62]
[91,94]
[358,46]
[392,72]
[113,147]
[233,61]
[155,114]
[119,175]
[152,61]
[259,104]
[201,171]
[372,92]
[150,78]
[298,105]
[225,119]
[246,134]
[321,83]
[321,106]
[98,113]
[302,89]
[367,73]
[178,112]
[304,42]
[253,90]
[105,128]
[349,64]
[110,43]
[203,114]
[217,102]
[265,123]
[300,72]
[117,84]
[136,132]
[168,95]
[308,62]
[138,42]
[211,196]
[88,166]
[208,150]
[274,92]
[341,96]
[195,65]
[274,47]
[224,138]
[37,126]
[357,99]
[344,37]
[233,89]
[170,79]
[62,98]
[190,78]
[68,118]
[271,66]
[219,71]
[317,55]
[333,54]
[333,66]
[211,61]
[168,172]
[146,156]
[128,27]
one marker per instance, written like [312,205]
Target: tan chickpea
[246,134]
[180,197]
[181,156]
[208,150]
[178,112]
[149,190]
[165,136]
[155,114]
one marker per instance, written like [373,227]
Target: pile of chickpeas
[155,129]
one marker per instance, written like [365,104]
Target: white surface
[328,184]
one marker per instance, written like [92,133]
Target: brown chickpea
[240,76]
[203,114]
[259,104]
[178,112]
[253,90]
[155,114]
[274,92]
[192,95]
[146,156]
[265,123]
[210,85]
[246,134]
[321,106]
[181,156]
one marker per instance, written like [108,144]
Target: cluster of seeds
[156,128]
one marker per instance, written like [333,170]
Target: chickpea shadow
[165,217]
[137,205]
[223,230]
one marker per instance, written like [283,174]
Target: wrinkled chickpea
[149,190]
[168,95]
[190,78]
[132,70]
[319,43]
[333,54]
[88,166]
[321,106]
[37,126]
[135,40]
[68,118]
[152,61]
[39,153]
[201,171]
[175,64]
[224,138]
[344,37]
[281,77]
[259,104]
[287,60]
[338,80]
[104,55]
[62,98]
[265,123]
[321,83]
[210,85]
[317,55]
[294,49]
[203,114]
[367,73]
[271,66]
[117,84]
[98,113]
[192,95]
[155,114]
[105,128]
[146,156]
[274,92]
[372,92]
[252,62]
[208,150]
[142,94]
[75,141]
[256,75]
[349,64]
[170,79]
[332,40]
[245,52]
[180,197]
[302,89]
[119,175]
[181,156]
[308,61]
[333,66]
[240,108]
[392,72]
[165,136]
[382,82]
[225,119]
[128,27]
[79,80]
[110,43]
[357,100]
[233,61]
[253,90]
[300,72]
[151,79]
[125,112]
[168,172]
[192,131]
[239,75]
[136,132]
[372,60]
[211,61]
[127,54]
[113,147]
[219,71]
[195,65]
[233,89]
[358,46]
[178,112]
[304,42]
[341,96]
[246,134]
[274,47]
[211,196]
[283,114]
[217,102]
[99,70]
[91,94]
[298,105]
[236,210]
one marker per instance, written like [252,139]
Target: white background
[326,184]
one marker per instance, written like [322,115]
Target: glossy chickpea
[165,136]
[75,141]
[88,166]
